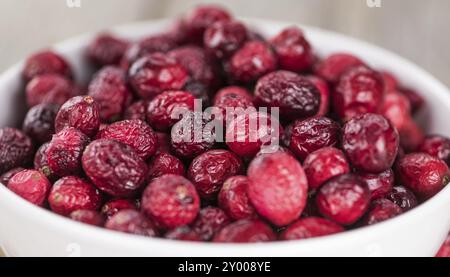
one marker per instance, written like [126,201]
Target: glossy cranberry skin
[343,199]
[252,61]
[371,143]
[397,109]
[310,227]
[132,222]
[278,188]
[112,207]
[164,110]
[245,231]
[106,49]
[223,38]
[324,91]
[360,90]
[436,146]
[5,177]
[380,185]
[411,136]
[233,198]
[423,174]
[93,218]
[232,98]
[16,149]
[155,73]
[109,89]
[137,110]
[382,210]
[164,163]
[184,233]
[295,95]
[209,221]
[293,50]
[49,89]
[335,65]
[46,62]
[444,251]
[73,193]
[31,185]
[39,122]
[80,112]
[171,201]
[416,100]
[403,197]
[323,165]
[209,170]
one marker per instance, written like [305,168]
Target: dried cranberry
[382,210]
[171,201]
[164,163]
[233,198]
[73,193]
[132,222]
[184,233]
[49,89]
[163,142]
[411,136]
[245,231]
[41,162]
[335,65]
[114,167]
[403,197]
[46,62]
[16,149]
[444,251]
[209,221]
[380,185]
[232,98]
[390,82]
[137,110]
[39,122]
[80,112]
[324,91]
[114,206]
[436,146]
[199,91]
[416,100]
[106,49]
[397,109]
[31,185]
[5,177]
[93,218]
[223,38]
[310,227]
[278,188]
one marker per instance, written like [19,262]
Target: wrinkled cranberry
[132,222]
[310,227]
[343,199]
[164,163]
[416,100]
[171,201]
[163,143]
[335,65]
[380,185]
[137,110]
[411,136]
[245,231]
[232,98]
[49,89]
[390,82]
[209,170]
[324,91]
[39,122]
[31,185]
[397,109]
[114,167]
[223,38]
[184,233]
[41,162]
[444,251]
[114,206]
[5,177]
[93,218]
[436,146]
[403,197]
[199,91]
[233,198]
[382,210]
[278,188]
[73,193]
[16,149]
[106,49]
[209,221]
[80,112]
[46,62]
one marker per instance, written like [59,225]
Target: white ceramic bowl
[29,231]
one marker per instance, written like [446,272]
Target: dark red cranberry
[416,100]
[209,170]
[93,218]
[324,91]
[107,49]
[41,162]
[278,188]
[390,81]
[137,110]
[381,210]
[397,109]
[360,90]
[232,98]
[411,136]
[335,65]
[223,38]
[252,61]
[163,142]
[171,201]
[73,193]
[323,165]
[114,167]
[49,89]
[199,91]
[444,251]
[209,221]
[245,231]
[109,89]
[343,199]
[403,197]
[164,163]
[31,185]
[310,227]
[80,112]
[16,149]
[436,146]
[423,174]
[295,95]
[114,206]
[132,222]
[233,198]
[164,110]
[371,143]
[46,62]
[380,185]
[39,122]
[184,233]
[134,133]
[5,177]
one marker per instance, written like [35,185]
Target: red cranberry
[114,206]
[114,167]
[80,112]
[73,193]
[233,198]
[46,62]
[252,61]
[278,188]
[371,143]
[93,218]
[444,251]
[232,98]
[131,222]
[39,122]
[16,149]
[380,185]
[137,110]
[164,163]
[323,165]
[106,49]
[360,90]
[31,185]
[209,221]
[5,177]
[184,233]
[49,89]
[199,91]
[343,199]
[245,231]
[335,65]
[423,174]
[403,197]
[382,210]
[296,96]
[324,91]
[163,142]
[171,201]
[397,109]
[436,146]
[390,82]
[41,162]
[416,100]
[163,110]
[310,227]
[223,38]
[209,170]
[411,136]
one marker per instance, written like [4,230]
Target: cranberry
[93,218]
[155,73]
[184,233]
[223,38]
[245,231]
[80,112]
[436,146]
[335,65]
[114,167]
[411,136]
[199,91]
[137,110]
[371,143]
[164,163]
[16,149]
[253,60]
[31,185]
[163,110]
[397,109]
[324,91]
[109,89]
[46,62]
[416,100]
[171,201]
[382,210]
[114,206]
[323,165]
[444,251]
[209,170]
[278,188]
[106,49]
[360,90]
[209,221]
[49,89]
[73,193]
[295,95]
[343,199]
[39,122]
[233,198]
[403,197]
[390,82]
[131,222]
[41,162]
[5,177]
[380,185]
[310,227]
[232,98]
[163,142]
[423,174]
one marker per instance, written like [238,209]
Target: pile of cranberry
[109,154]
